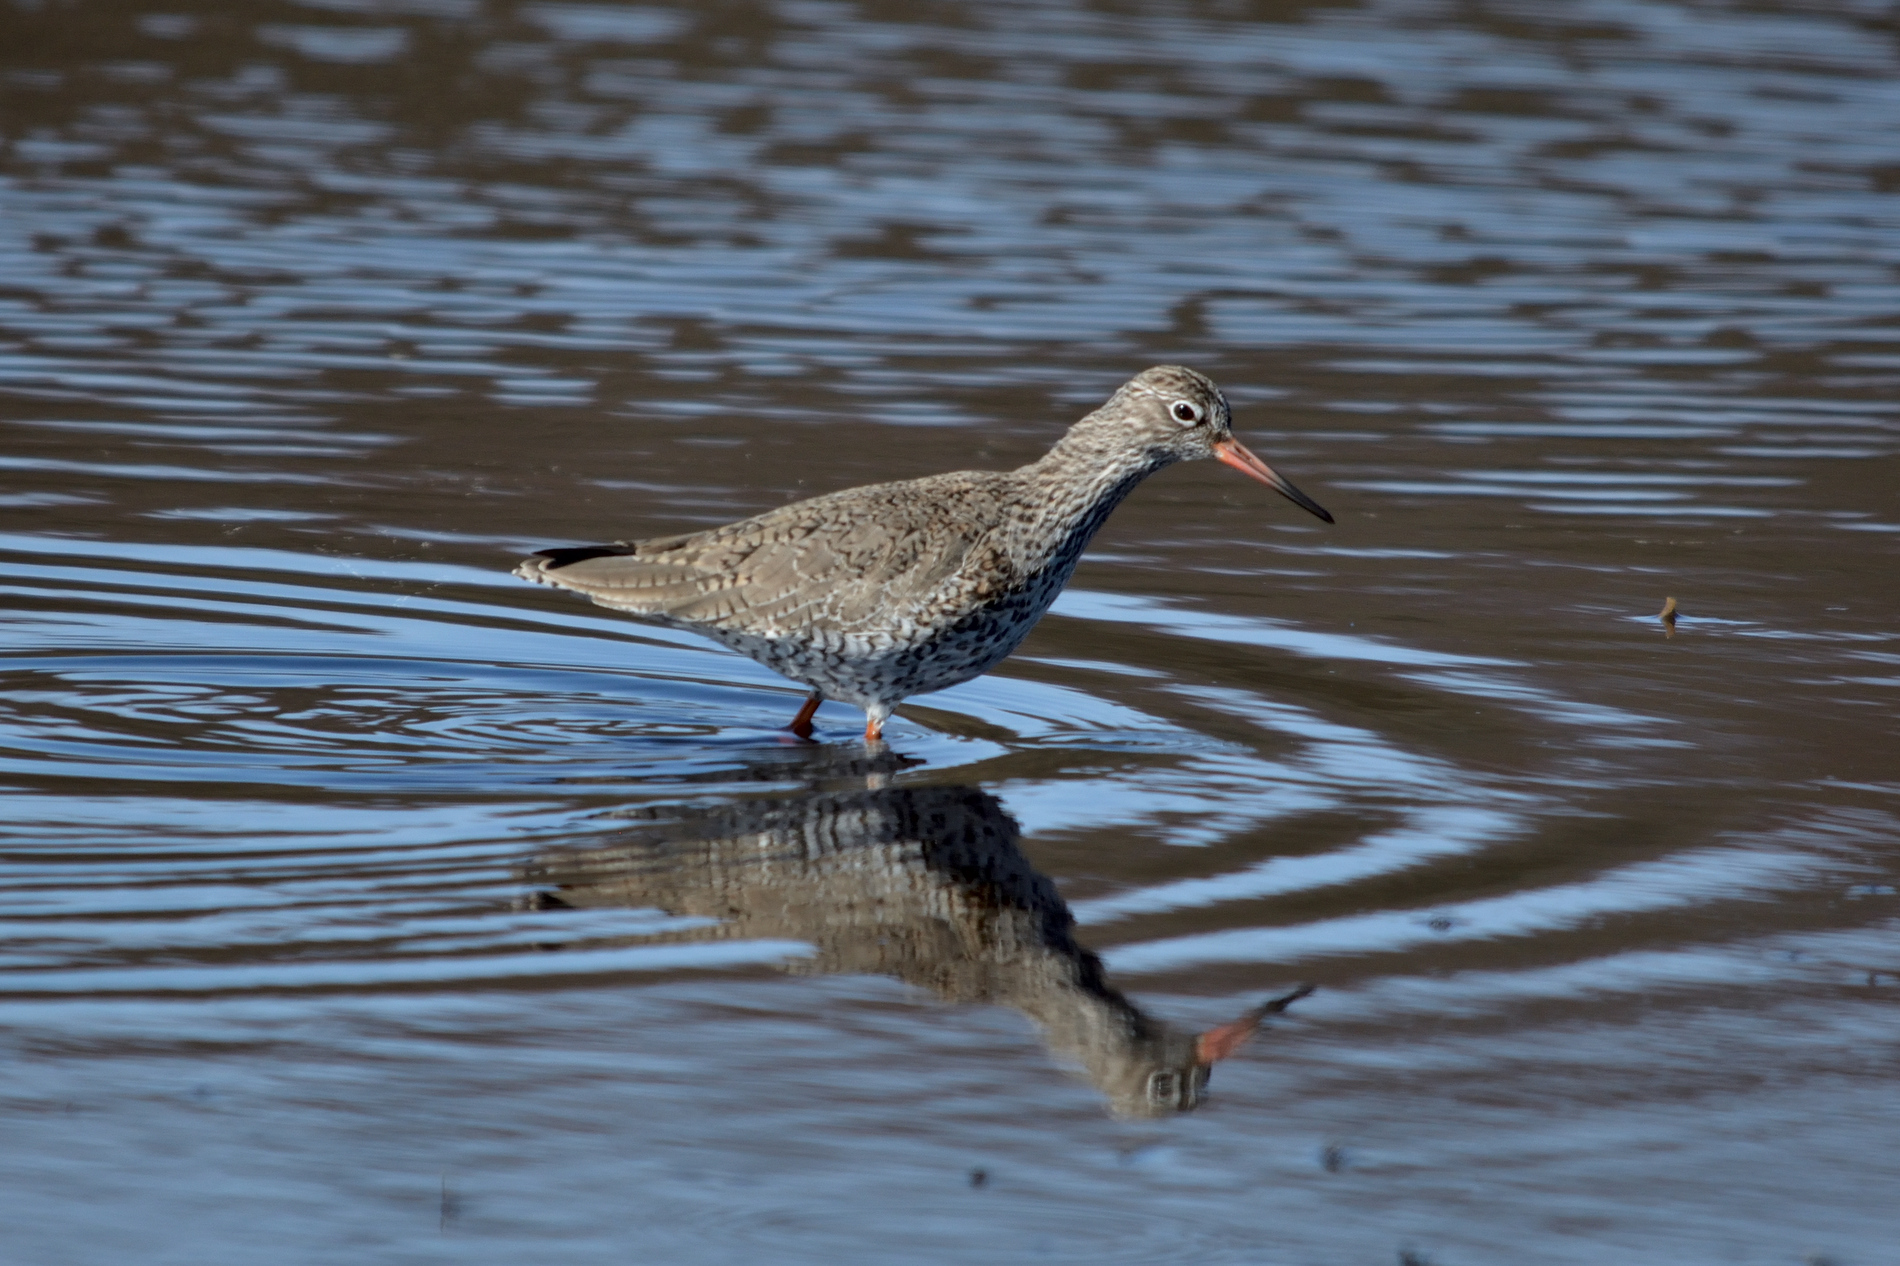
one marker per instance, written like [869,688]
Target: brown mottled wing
[838,562]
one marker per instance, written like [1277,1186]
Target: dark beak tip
[1306,503]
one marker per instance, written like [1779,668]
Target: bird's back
[918,553]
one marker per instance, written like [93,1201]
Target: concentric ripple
[323,774]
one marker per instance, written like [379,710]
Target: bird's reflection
[926,884]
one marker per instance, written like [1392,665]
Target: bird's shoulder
[865,555]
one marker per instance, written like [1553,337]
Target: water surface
[362,900]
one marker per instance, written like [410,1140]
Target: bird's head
[1178,415]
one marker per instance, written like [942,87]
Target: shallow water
[363,901]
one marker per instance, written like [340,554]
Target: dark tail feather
[558,558]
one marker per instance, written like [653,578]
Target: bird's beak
[1233,453]
[1220,1042]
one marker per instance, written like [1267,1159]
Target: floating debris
[1668,616]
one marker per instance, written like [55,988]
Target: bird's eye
[1186,413]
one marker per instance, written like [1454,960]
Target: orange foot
[801,724]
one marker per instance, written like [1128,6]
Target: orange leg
[801,724]
[873,729]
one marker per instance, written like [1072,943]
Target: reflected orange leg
[801,724]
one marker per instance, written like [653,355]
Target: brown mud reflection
[925,884]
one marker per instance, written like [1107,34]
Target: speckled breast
[884,665]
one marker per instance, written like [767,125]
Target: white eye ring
[1186,412]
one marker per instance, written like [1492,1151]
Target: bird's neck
[1081,480]
[1087,1022]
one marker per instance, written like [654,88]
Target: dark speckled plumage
[876,593]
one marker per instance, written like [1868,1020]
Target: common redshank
[874,594]
[927,884]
